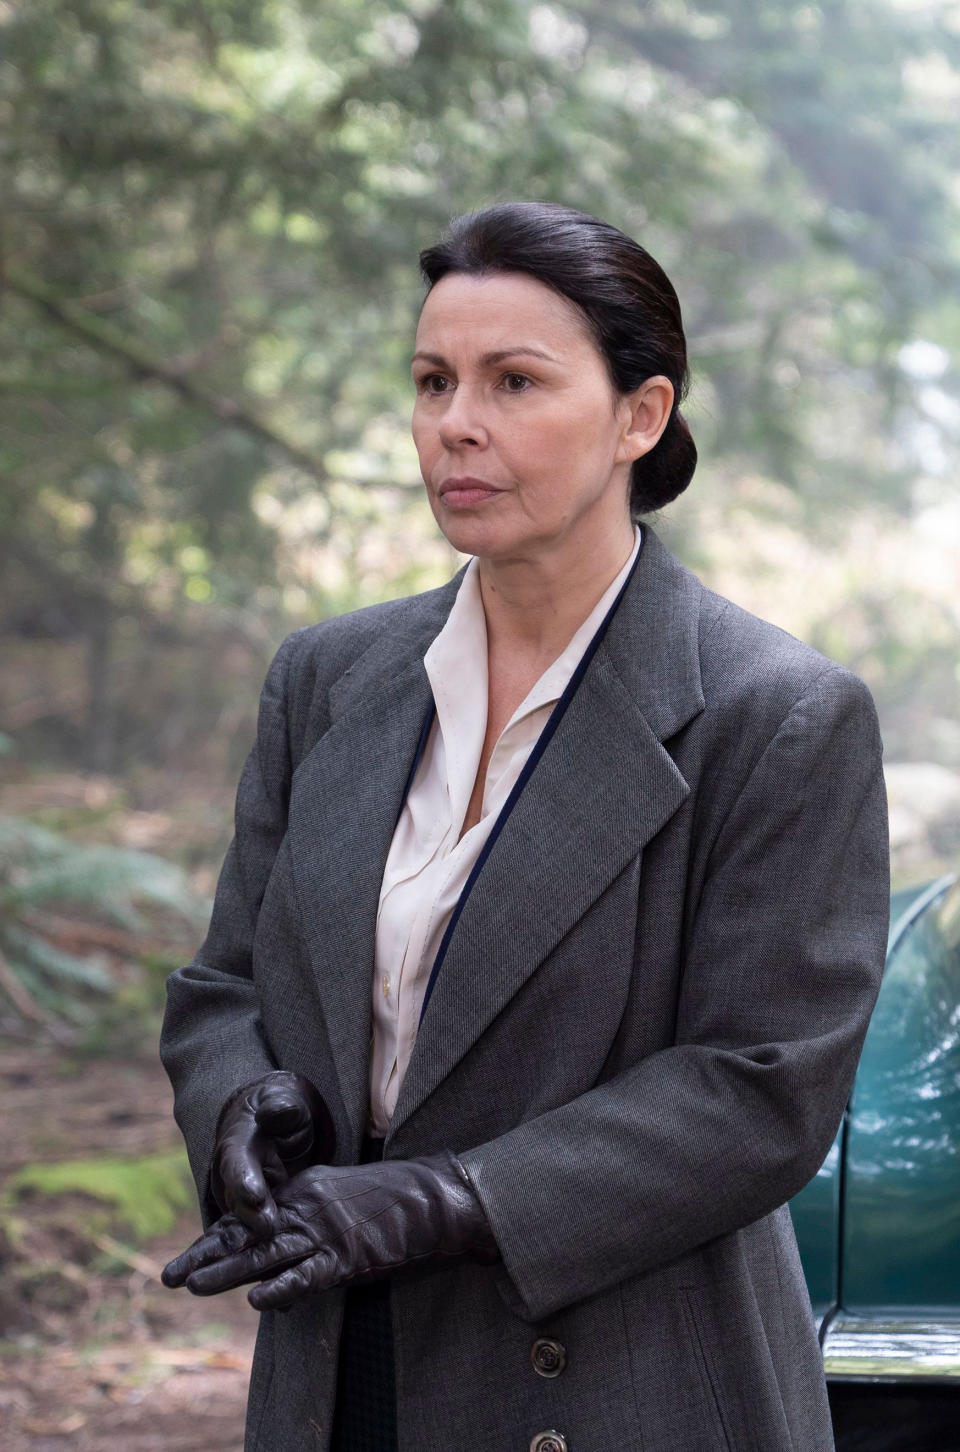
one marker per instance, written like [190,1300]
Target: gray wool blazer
[640,1042]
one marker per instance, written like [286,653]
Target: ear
[645,413]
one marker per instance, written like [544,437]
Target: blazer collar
[396,649]
[653,640]
[605,774]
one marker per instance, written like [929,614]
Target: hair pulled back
[625,296]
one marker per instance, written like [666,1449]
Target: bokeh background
[210,212]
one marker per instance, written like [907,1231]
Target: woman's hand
[267,1131]
[340,1224]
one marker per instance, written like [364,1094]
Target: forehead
[467,314]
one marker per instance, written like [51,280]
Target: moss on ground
[146,1195]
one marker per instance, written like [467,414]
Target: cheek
[570,426]
[533,435]
[424,433]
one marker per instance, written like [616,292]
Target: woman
[548,936]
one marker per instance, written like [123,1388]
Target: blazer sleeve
[780,975]
[212,1040]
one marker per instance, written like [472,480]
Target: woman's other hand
[267,1131]
[340,1224]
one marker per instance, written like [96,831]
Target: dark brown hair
[625,296]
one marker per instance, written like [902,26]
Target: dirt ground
[98,1354]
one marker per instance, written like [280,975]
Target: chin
[470,536]
[499,551]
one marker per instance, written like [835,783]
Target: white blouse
[426,866]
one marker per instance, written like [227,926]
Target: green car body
[879,1225]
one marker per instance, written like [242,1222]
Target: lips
[465,489]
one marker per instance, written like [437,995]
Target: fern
[25,842]
[110,878]
[54,963]
[42,871]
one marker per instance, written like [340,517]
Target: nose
[462,420]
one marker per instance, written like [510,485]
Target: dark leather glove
[338,1224]
[267,1131]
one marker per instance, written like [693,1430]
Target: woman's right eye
[434,383]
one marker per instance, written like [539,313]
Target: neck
[534,604]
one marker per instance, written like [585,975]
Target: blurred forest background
[211,211]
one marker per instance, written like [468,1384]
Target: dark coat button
[548,1357]
[549,1442]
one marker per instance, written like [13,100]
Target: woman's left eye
[516,382]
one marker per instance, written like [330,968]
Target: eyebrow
[487,359]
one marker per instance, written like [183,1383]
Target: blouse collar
[456,664]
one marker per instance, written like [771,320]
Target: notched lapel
[602,789]
[344,800]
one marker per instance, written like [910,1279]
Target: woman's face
[524,444]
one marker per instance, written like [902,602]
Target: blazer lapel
[344,800]
[603,788]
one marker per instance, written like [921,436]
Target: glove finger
[275,1170]
[226,1237]
[286,1119]
[246,1193]
[281,1292]
[281,1113]
[249,1264]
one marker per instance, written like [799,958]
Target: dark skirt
[365,1417]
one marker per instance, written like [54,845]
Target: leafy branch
[143,362]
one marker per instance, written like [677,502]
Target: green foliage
[144,1197]
[41,870]
[39,964]
[126,1023]
[39,867]
[211,220]
[108,878]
